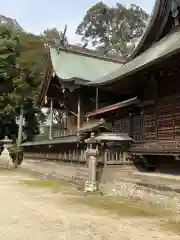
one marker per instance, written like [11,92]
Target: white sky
[37,15]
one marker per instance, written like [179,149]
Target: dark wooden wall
[162,121]
[158,117]
[158,121]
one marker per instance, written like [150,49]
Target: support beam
[97,98]
[142,124]
[73,113]
[79,113]
[51,120]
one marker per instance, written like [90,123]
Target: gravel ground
[35,213]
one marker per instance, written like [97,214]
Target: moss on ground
[41,183]
[110,204]
[60,186]
[122,207]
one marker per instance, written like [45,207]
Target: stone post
[5,158]
[91,184]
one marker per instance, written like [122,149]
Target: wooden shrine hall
[129,107]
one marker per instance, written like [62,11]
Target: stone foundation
[154,188]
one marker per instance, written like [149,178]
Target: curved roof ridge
[91,53]
[159,16]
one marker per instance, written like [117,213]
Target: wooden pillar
[51,120]
[79,113]
[20,130]
[142,124]
[97,98]
[65,123]
[156,123]
[174,124]
[130,125]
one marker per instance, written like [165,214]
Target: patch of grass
[172,225]
[42,184]
[60,186]
[122,207]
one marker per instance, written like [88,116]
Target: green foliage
[16,154]
[55,38]
[22,70]
[52,35]
[31,127]
[113,28]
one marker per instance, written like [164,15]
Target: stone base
[5,158]
[90,187]
[5,152]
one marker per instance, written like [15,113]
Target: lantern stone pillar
[5,157]
[92,154]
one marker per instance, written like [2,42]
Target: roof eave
[159,17]
[91,53]
[111,79]
[122,104]
[46,83]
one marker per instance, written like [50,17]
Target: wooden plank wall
[135,129]
[160,121]
[177,118]
[122,125]
[165,118]
[149,123]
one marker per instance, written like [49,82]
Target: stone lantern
[92,154]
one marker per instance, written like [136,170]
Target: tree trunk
[15,164]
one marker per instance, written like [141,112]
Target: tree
[52,34]
[55,38]
[33,59]
[112,28]
[22,59]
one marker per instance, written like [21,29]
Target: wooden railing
[156,147]
[70,156]
[114,158]
[79,156]
[60,133]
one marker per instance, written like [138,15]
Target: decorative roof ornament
[59,42]
[63,37]
[175,9]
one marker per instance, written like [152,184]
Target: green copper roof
[70,65]
[165,48]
